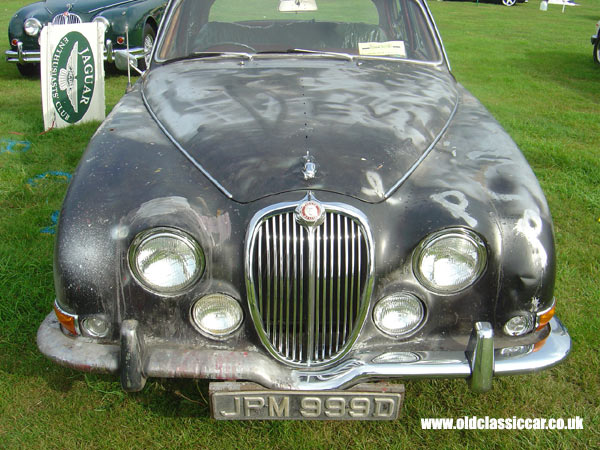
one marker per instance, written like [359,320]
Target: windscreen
[390,29]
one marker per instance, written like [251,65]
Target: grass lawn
[532,69]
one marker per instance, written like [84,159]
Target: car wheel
[597,51]
[149,36]
[29,70]
[509,2]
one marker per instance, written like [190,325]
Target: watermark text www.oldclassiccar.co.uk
[506,423]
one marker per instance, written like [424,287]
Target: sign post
[72,74]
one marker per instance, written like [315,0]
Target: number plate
[250,401]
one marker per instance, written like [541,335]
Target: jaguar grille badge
[310,212]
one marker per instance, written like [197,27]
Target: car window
[379,28]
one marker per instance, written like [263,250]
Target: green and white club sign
[72,74]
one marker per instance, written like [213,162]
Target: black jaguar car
[297,198]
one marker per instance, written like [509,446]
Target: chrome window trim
[251,233]
[432,27]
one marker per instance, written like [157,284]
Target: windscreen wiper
[245,55]
[198,55]
[345,56]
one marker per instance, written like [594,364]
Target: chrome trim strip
[33,56]
[436,32]
[301,286]
[182,150]
[425,154]
[275,278]
[287,285]
[112,5]
[310,344]
[295,290]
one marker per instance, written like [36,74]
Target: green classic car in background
[136,19]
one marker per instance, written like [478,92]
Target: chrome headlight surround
[519,325]
[192,250]
[95,326]
[399,315]
[32,26]
[217,315]
[460,242]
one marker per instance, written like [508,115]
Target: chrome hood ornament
[310,167]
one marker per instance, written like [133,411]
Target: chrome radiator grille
[66,19]
[308,285]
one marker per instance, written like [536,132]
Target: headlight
[166,260]
[217,315]
[450,261]
[103,20]
[398,314]
[32,26]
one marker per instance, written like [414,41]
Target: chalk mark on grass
[12,146]
[52,228]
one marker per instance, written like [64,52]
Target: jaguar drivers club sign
[72,74]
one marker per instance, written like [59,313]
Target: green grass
[534,72]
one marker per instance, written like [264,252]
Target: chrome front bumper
[136,361]
[33,56]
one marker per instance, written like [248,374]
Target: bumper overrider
[22,56]
[136,360]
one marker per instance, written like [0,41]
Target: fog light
[32,26]
[95,327]
[120,40]
[14,42]
[217,315]
[518,325]
[398,314]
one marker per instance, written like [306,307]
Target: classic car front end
[136,20]
[306,200]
